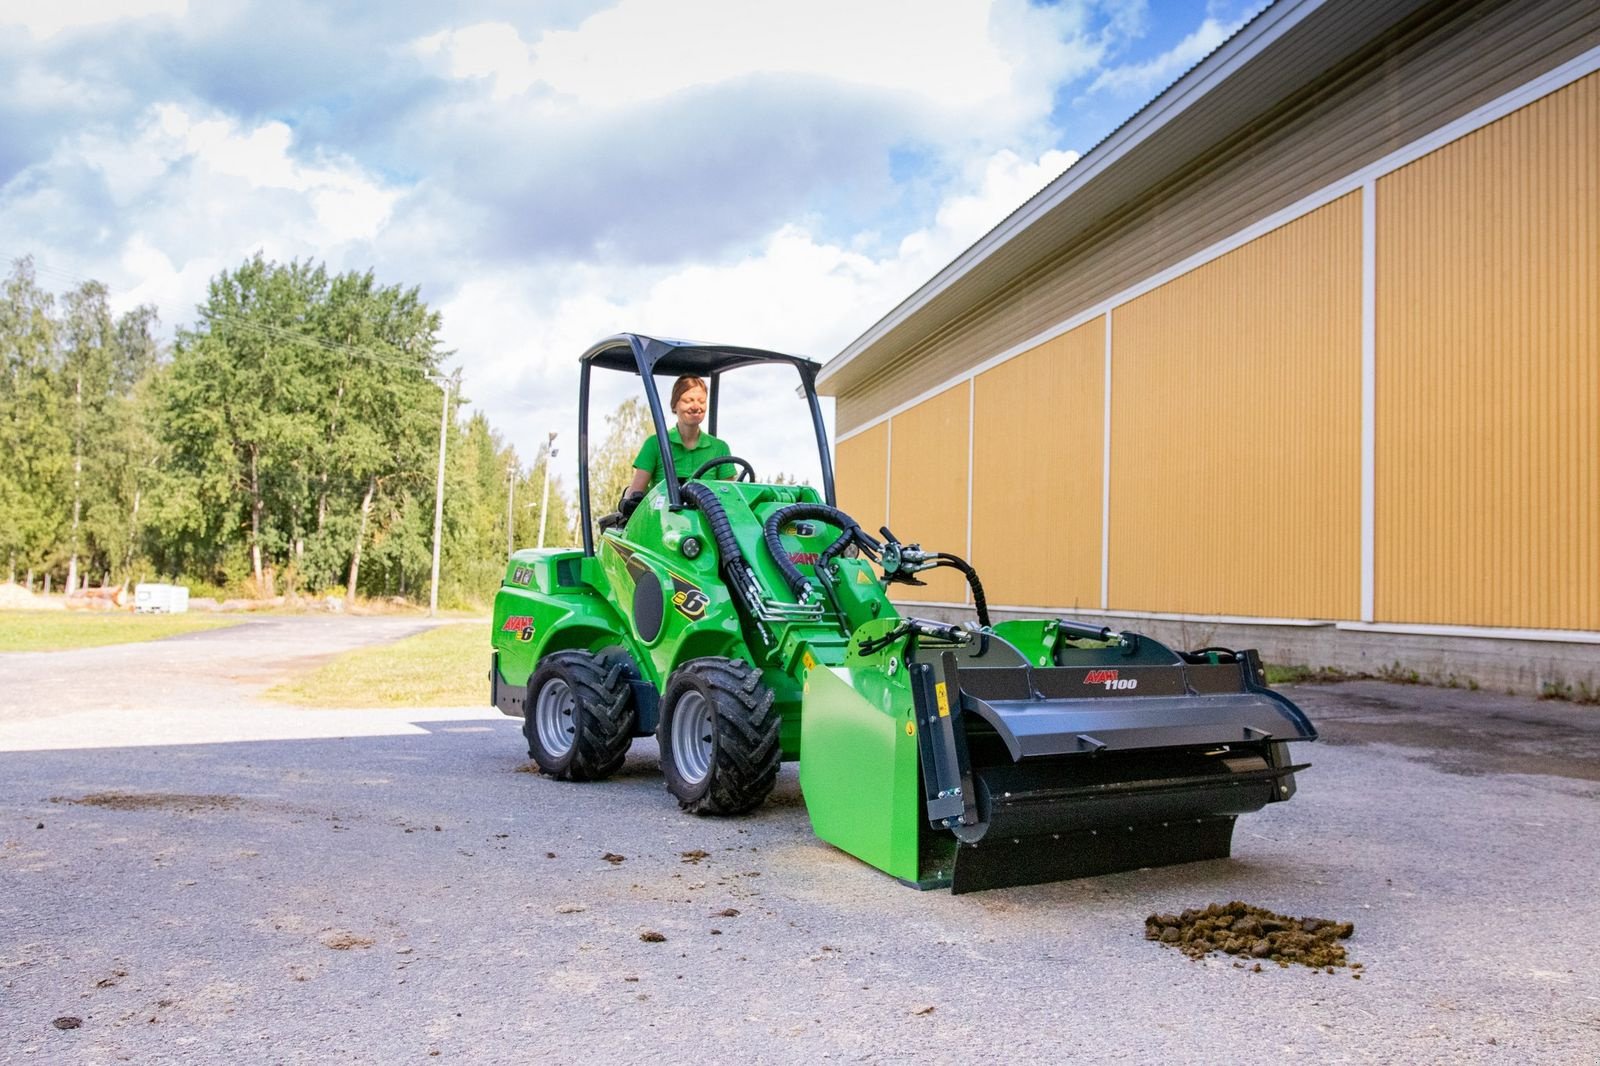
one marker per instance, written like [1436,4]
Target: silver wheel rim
[554,717]
[691,737]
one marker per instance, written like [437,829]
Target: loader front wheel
[580,715]
[719,737]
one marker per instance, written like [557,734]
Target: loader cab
[650,358]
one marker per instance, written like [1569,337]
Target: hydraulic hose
[735,568]
[978,602]
[799,584]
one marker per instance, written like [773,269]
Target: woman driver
[691,447]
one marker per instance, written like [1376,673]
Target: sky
[550,173]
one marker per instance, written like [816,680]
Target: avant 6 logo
[521,625]
[1109,679]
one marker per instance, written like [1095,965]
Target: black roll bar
[647,356]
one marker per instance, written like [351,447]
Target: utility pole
[511,488]
[438,489]
[550,451]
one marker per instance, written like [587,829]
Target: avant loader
[743,624]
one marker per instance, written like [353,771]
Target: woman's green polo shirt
[684,460]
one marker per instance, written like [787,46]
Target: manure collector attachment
[1126,755]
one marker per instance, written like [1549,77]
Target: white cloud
[158,281]
[519,336]
[1164,69]
[195,192]
[954,56]
[628,172]
[492,50]
[46,20]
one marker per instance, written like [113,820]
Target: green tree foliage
[560,528]
[71,421]
[295,422]
[287,443]
[32,436]
[611,464]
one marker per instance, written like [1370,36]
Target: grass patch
[1570,693]
[1303,675]
[445,667]
[66,630]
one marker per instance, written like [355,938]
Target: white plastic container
[152,598]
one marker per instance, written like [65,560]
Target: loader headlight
[690,546]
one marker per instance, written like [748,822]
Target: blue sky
[778,175]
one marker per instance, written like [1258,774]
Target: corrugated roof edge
[1243,45]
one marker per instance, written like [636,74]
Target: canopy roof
[627,351]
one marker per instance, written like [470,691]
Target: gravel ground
[199,876]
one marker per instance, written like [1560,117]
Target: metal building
[1306,355]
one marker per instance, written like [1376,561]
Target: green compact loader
[743,624]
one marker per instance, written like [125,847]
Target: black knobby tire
[719,737]
[580,718]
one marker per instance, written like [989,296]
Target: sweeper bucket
[1045,773]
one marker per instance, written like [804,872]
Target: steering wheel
[746,471]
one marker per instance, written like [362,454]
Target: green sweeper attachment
[742,624]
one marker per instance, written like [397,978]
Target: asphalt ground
[201,876]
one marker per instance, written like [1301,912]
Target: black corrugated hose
[978,602]
[734,566]
[799,584]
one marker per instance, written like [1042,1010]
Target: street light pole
[438,491]
[544,507]
[511,488]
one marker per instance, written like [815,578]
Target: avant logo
[1110,680]
[521,625]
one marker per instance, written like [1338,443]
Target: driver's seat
[625,508]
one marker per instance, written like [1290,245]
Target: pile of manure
[1253,932]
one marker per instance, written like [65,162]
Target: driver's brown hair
[683,385]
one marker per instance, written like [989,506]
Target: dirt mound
[145,801]
[1253,932]
[14,597]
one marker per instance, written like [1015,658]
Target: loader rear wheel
[719,737]
[580,715]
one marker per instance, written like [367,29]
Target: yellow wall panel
[1236,430]
[1038,438]
[861,476]
[928,487]
[1488,383]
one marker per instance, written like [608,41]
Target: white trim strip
[1105,481]
[972,413]
[1369,385]
[1542,86]
[888,471]
[1560,636]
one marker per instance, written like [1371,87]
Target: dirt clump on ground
[145,801]
[344,940]
[1252,932]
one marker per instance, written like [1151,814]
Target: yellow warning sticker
[944,701]
[809,660]
[863,578]
[911,729]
